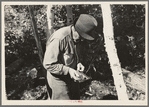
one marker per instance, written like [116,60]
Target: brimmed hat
[84,25]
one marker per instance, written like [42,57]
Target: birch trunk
[112,53]
[69,15]
[50,21]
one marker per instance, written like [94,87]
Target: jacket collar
[74,35]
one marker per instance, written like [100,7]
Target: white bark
[112,53]
[69,15]
[50,21]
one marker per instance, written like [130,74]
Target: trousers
[63,87]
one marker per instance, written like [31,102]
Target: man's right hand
[74,74]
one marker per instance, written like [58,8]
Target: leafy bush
[129,31]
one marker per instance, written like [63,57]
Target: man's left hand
[80,67]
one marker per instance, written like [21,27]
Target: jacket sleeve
[51,62]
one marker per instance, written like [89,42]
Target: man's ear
[75,34]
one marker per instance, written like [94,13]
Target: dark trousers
[63,87]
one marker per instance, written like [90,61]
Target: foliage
[129,32]
[19,38]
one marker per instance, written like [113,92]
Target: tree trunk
[50,21]
[39,47]
[69,15]
[35,33]
[133,80]
[112,53]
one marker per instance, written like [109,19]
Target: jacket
[61,52]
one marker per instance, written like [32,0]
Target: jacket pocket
[68,58]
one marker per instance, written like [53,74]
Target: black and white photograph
[74,53]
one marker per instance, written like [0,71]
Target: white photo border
[4,101]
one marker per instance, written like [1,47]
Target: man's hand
[80,67]
[74,74]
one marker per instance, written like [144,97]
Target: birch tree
[112,53]
[50,21]
[69,14]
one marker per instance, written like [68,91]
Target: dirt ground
[27,85]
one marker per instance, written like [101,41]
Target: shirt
[61,52]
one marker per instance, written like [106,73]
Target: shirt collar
[74,35]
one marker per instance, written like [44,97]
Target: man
[61,58]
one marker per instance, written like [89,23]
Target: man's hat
[84,25]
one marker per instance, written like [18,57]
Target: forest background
[24,71]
